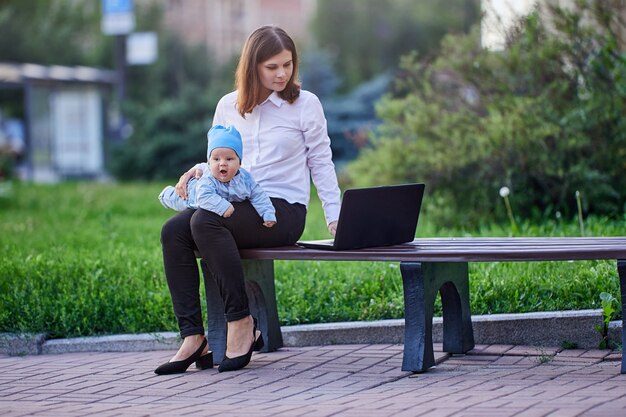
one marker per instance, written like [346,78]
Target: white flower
[504,192]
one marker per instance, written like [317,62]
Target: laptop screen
[377,216]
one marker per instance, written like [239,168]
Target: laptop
[377,216]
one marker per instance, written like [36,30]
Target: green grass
[80,259]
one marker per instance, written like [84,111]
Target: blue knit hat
[224,137]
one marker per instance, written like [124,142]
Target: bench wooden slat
[462,250]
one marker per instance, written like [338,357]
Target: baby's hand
[269,223]
[229,211]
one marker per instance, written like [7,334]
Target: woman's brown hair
[262,44]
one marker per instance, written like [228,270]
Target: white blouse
[285,146]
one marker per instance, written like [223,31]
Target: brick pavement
[340,380]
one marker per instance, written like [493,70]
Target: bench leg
[421,281]
[458,334]
[262,300]
[621,270]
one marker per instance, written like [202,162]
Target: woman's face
[276,71]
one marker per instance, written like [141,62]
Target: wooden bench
[427,266]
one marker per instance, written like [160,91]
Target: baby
[223,181]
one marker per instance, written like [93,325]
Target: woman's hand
[181,185]
[269,223]
[332,228]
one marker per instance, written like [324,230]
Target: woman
[285,144]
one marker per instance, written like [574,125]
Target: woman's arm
[319,160]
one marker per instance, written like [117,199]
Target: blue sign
[117,17]
[117,6]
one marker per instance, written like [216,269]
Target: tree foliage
[368,37]
[545,117]
[52,32]
[168,137]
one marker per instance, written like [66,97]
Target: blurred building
[64,118]
[224,25]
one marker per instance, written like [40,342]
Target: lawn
[80,259]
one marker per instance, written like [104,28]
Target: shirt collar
[275,99]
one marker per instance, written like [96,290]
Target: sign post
[118,19]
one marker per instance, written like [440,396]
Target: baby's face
[224,164]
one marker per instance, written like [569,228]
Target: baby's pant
[171,200]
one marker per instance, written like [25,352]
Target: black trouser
[218,240]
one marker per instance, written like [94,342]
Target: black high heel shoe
[233,364]
[178,367]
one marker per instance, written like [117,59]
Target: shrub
[168,138]
[544,117]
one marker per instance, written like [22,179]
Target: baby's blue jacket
[216,196]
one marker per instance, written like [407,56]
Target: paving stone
[614,356]
[596,353]
[533,351]
[493,350]
[573,353]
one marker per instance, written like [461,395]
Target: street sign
[118,17]
[117,6]
[141,48]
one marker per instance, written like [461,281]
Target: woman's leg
[181,272]
[218,239]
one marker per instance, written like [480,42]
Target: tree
[368,37]
[52,33]
[545,118]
